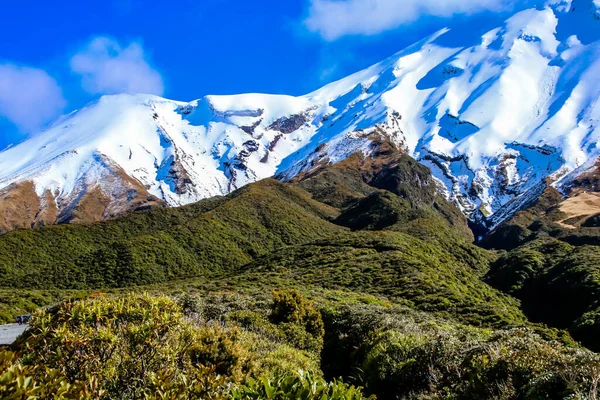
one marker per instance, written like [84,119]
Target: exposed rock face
[111,195]
[176,175]
[21,207]
[290,123]
[379,144]
[251,128]
[586,180]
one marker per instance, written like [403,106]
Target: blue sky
[57,56]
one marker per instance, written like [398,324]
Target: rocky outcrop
[21,207]
[107,193]
[289,124]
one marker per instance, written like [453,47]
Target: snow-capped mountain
[492,115]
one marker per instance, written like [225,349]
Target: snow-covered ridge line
[492,119]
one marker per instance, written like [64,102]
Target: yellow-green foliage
[19,381]
[433,278]
[159,245]
[229,345]
[139,346]
[398,301]
[303,386]
[124,343]
[298,319]
[14,302]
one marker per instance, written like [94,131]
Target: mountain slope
[493,112]
[202,239]
[270,232]
[356,226]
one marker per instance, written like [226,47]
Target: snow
[494,117]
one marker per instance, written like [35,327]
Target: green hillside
[359,275]
[160,245]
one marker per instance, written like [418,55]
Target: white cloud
[106,67]
[29,97]
[328,72]
[333,19]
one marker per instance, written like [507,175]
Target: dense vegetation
[18,301]
[552,268]
[271,233]
[558,284]
[135,347]
[541,219]
[402,268]
[385,294]
[286,347]
[207,238]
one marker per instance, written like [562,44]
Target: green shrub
[221,349]
[140,346]
[190,304]
[587,329]
[558,284]
[303,386]
[298,319]
[21,381]
[397,353]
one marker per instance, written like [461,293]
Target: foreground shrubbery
[146,347]
[241,347]
[299,387]
[14,301]
[397,353]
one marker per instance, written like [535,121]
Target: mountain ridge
[492,119]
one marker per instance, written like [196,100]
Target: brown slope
[114,194]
